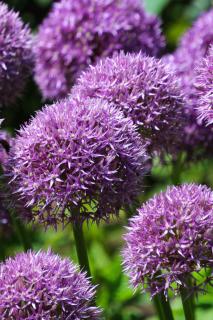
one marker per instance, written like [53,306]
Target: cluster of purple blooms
[78,33]
[170,238]
[84,157]
[43,286]
[204,87]
[145,90]
[79,155]
[16,57]
[193,48]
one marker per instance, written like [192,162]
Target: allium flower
[170,238]
[204,87]
[193,48]
[144,90]
[76,160]
[44,286]
[16,58]
[78,33]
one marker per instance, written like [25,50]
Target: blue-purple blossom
[75,160]
[145,90]
[16,58]
[204,88]
[44,286]
[77,33]
[193,47]
[170,238]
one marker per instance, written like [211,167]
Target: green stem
[188,304]
[2,252]
[163,307]
[21,232]
[81,248]
[176,170]
[166,307]
[158,307]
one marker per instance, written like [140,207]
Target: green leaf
[155,6]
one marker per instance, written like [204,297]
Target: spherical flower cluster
[77,159]
[204,87]
[193,47]
[43,286]
[198,137]
[170,238]
[145,90]
[78,33]
[16,58]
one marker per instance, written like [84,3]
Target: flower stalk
[81,248]
[188,301]
[21,232]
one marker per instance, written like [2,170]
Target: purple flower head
[78,33]
[44,286]
[193,47]
[77,159]
[169,238]
[204,87]
[16,58]
[144,90]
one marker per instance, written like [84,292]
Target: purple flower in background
[192,49]
[145,90]
[16,58]
[77,159]
[204,87]
[170,238]
[44,286]
[5,142]
[78,33]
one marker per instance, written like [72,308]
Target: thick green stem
[2,252]
[81,248]
[166,307]
[158,307]
[188,304]
[163,307]
[176,170]
[21,233]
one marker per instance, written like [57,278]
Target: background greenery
[105,241]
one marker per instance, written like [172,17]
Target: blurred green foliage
[105,241]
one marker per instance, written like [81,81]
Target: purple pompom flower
[16,58]
[193,47]
[44,286]
[78,33]
[204,87]
[77,159]
[170,238]
[145,90]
